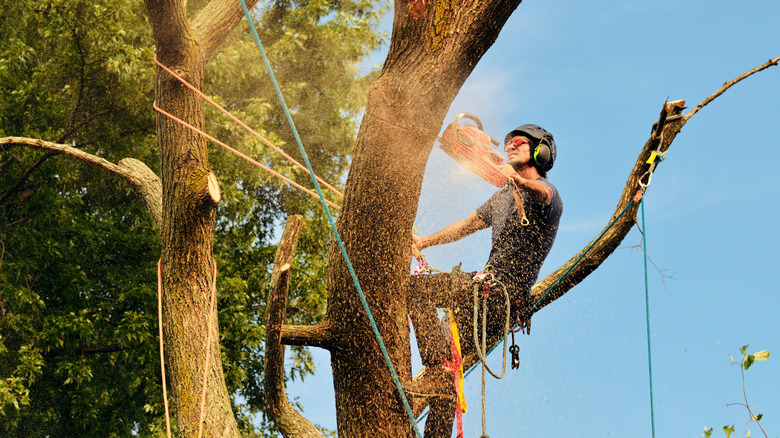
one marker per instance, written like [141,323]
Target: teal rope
[576,262]
[363,301]
[647,313]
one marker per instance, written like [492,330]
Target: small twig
[729,84]
[746,405]
[660,271]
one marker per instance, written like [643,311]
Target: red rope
[456,365]
[245,126]
[246,157]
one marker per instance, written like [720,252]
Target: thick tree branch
[586,261]
[308,335]
[143,180]
[289,421]
[216,20]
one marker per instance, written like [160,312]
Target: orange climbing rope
[245,126]
[240,154]
[162,354]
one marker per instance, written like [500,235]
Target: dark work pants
[456,292]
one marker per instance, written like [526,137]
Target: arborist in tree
[524,216]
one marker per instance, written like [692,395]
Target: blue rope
[363,301]
[647,313]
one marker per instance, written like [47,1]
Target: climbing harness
[332,223]
[484,282]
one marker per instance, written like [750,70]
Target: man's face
[518,150]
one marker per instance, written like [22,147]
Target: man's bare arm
[451,233]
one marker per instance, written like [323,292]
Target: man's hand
[417,243]
[508,171]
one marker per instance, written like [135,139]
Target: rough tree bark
[435,46]
[189,199]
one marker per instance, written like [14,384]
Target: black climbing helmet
[543,150]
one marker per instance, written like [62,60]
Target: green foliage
[78,251]
[749,359]
[744,365]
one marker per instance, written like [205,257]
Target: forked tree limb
[586,261]
[287,419]
[143,180]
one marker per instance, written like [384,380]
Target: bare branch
[143,180]
[727,85]
[289,421]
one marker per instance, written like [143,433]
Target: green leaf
[707,433]
[748,361]
[728,430]
[744,348]
[758,417]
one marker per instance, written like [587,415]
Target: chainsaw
[474,149]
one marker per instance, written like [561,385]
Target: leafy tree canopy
[78,259]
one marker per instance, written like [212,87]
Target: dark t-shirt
[518,251]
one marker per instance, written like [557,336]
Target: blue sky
[595,74]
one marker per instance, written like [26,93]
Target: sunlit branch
[143,180]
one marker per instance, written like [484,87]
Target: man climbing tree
[524,217]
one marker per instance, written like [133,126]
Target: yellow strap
[456,339]
[652,157]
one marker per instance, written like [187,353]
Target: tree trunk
[429,59]
[190,194]
[189,269]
